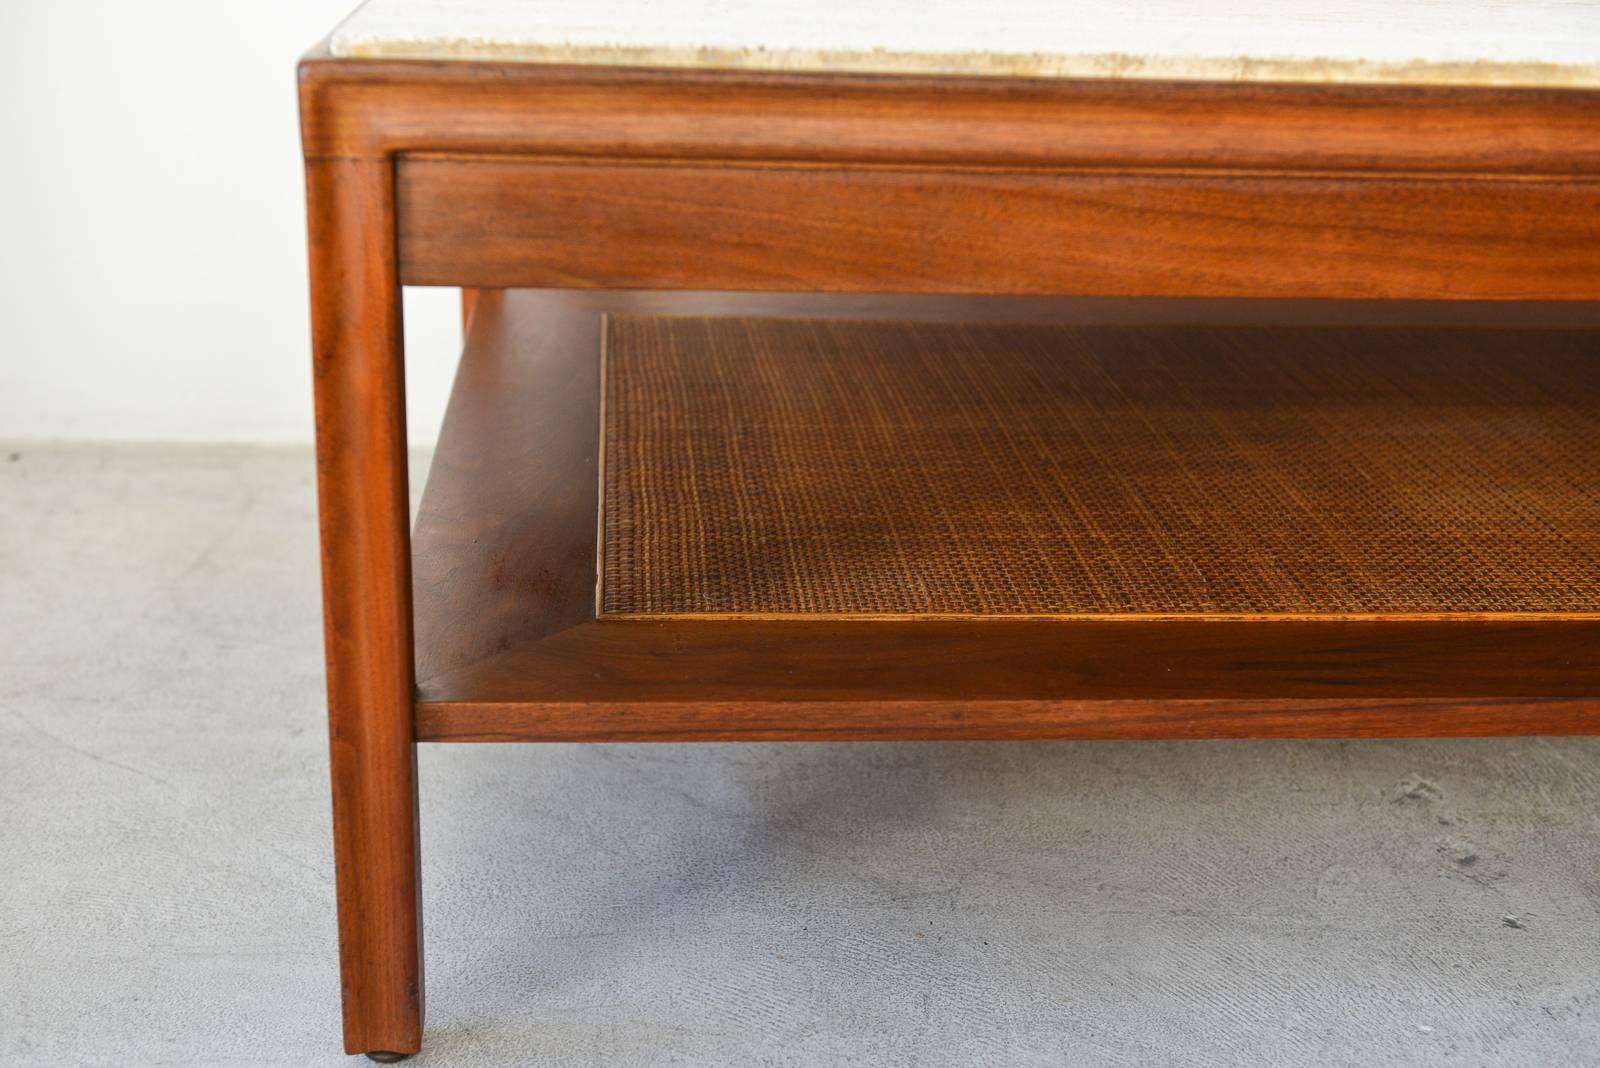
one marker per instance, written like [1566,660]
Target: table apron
[503,222]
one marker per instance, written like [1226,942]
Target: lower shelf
[871,517]
[803,468]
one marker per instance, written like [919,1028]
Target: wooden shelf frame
[509,647]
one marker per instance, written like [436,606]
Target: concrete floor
[165,893]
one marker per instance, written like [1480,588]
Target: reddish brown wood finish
[780,181]
[366,562]
[505,546]
[373,108]
[791,681]
[911,231]
[508,649]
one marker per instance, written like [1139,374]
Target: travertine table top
[1553,43]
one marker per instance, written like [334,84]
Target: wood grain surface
[823,229]
[389,109]
[363,507]
[530,175]
[793,681]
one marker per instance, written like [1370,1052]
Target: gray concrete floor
[166,898]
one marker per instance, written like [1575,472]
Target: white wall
[153,282]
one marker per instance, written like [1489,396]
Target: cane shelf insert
[706,515]
[794,467]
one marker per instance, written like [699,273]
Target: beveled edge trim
[373,107]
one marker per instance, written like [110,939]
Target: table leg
[366,562]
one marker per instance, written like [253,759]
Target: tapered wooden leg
[366,561]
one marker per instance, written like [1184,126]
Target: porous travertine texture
[1478,42]
[166,894]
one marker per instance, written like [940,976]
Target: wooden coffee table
[1227,390]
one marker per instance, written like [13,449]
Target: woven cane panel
[778,467]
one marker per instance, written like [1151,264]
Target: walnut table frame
[494,177]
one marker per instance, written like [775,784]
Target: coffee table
[924,371]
